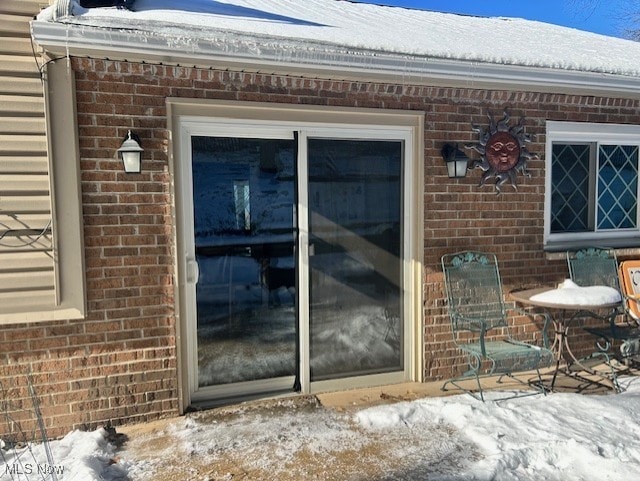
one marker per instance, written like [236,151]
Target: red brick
[130,327]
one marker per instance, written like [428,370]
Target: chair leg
[609,373]
[480,393]
[555,375]
[479,386]
[605,347]
[540,384]
[473,372]
[614,374]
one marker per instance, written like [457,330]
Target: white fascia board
[237,51]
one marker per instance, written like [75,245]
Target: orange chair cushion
[629,273]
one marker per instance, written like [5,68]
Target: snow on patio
[562,436]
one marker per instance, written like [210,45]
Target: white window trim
[598,133]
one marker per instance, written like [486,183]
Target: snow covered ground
[564,437]
[79,456]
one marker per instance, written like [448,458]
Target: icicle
[67,30]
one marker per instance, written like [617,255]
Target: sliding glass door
[243,211]
[293,246]
[355,257]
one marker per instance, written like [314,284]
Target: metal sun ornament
[503,151]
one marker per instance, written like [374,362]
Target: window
[592,185]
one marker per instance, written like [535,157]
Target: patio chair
[392,317]
[629,275]
[479,325]
[620,338]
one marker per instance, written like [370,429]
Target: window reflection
[243,217]
[355,234]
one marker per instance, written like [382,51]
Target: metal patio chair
[392,318]
[620,337]
[479,324]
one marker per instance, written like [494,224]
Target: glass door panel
[243,203]
[355,257]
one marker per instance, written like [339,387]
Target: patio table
[565,315]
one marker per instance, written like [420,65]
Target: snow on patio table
[563,437]
[570,293]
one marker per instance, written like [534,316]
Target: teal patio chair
[479,324]
[619,337]
[593,266]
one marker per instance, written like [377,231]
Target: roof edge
[257,54]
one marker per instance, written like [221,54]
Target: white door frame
[364,125]
[211,128]
[350,133]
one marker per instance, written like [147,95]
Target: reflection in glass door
[243,207]
[355,257]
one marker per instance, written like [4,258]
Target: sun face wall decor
[503,151]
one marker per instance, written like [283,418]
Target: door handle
[193,271]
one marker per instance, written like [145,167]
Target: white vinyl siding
[28,277]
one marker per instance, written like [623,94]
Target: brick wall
[459,215]
[119,364]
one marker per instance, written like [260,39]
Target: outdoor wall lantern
[455,159]
[131,154]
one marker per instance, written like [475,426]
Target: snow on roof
[371,28]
